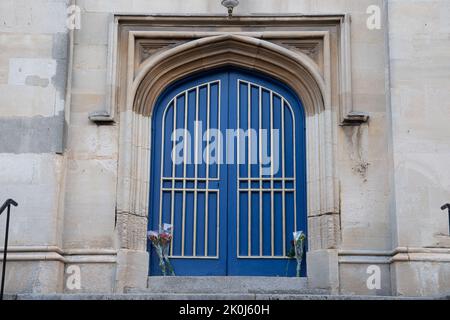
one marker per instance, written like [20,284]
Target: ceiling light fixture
[230,5]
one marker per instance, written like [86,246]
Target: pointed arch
[293,68]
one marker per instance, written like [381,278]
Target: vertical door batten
[256,186]
[200,186]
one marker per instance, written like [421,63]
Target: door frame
[144,60]
[212,264]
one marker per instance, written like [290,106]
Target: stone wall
[420,90]
[33,73]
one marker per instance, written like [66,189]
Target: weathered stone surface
[226,285]
[421,278]
[353,279]
[38,277]
[89,206]
[420,73]
[230,296]
[94,277]
[34,181]
[38,16]
[132,269]
[32,135]
[323,271]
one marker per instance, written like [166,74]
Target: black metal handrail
[6,205]
[445,207]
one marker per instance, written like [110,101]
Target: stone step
[228,285]
[206,296]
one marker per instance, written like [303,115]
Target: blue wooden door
[236,194]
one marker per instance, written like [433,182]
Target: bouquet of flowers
[161,242]
[298,248]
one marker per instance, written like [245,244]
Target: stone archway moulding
[310,54]
[214,51]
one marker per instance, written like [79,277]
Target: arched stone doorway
[145,72]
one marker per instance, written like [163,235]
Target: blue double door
[228,172]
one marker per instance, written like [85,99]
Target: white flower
[151,234]
[298,235]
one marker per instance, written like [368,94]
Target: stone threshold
[227,285]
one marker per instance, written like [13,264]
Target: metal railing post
[6,205]
[444,207]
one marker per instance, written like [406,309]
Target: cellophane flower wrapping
[299,248]
[161,241]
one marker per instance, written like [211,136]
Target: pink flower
[165,237]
